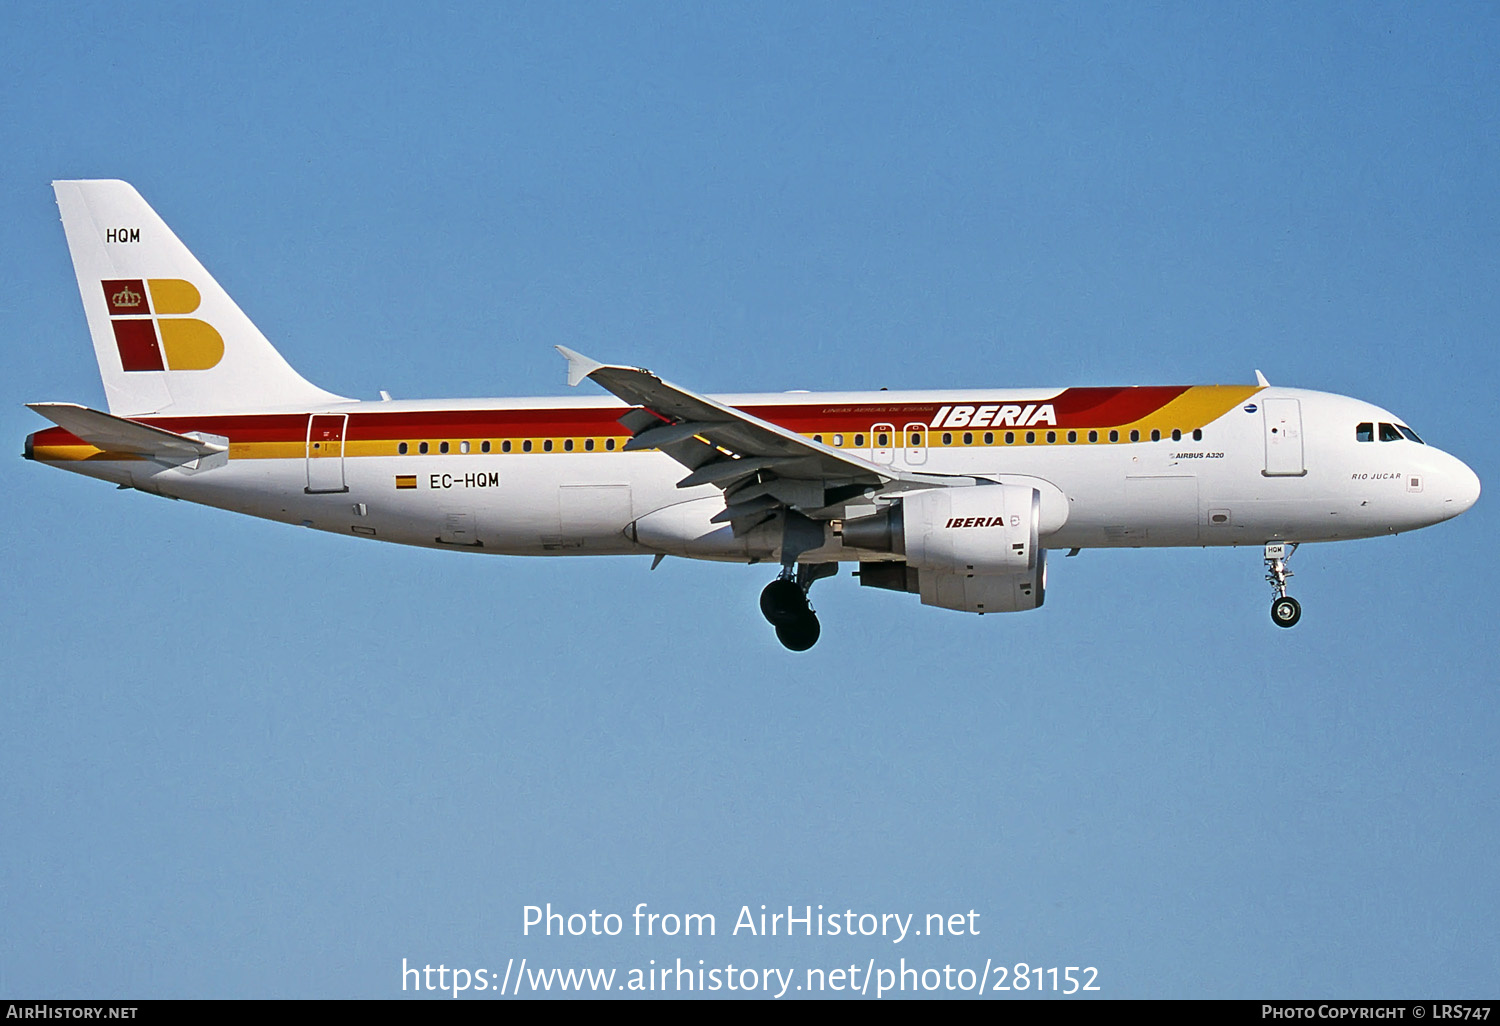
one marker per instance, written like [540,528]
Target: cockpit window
[1409,433]
[1365,433]
[1388,433]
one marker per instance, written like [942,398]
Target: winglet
[579,366]
[1260,379]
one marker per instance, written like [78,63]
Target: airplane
[953,496]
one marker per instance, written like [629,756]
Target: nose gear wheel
[1285,610]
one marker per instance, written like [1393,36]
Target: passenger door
[325,452]
[1283,426]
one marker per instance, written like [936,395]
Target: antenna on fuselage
[1260,379]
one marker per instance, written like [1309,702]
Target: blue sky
[241,759]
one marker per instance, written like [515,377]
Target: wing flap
[665,434]
[725,471]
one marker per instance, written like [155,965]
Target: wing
[761,467]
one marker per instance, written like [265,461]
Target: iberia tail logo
[150,331]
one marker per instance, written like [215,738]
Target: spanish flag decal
[406,481]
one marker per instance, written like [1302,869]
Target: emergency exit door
[915,437]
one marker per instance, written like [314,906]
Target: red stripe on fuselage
[1109,407]
[1074,407]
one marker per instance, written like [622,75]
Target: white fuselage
[954,496]
[1284,465]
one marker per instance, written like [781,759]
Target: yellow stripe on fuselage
[1198,406]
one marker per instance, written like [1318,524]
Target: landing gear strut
[784,605]
[1285,610]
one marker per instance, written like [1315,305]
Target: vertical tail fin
[167,337]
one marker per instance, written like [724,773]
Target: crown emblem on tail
[155,338]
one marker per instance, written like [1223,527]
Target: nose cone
[1462,489]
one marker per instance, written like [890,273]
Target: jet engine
[973,549]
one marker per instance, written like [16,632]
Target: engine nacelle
[978,530]
[968,593]
[989,593]
[973,549]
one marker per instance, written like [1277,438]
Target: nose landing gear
[1285,610]
[784,605]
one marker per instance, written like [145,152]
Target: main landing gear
[1285,610]
[784,605]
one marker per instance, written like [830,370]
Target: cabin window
[1072,436]
[882,440]
[401,448]
[463,446]
[1051,437]
[505,446]
[588,444]
[1156,434]
[859,440]
[1388,433]
[547,445]
[1114,436]
[947,438]
[1135,436]
[1197,434]
[838,440]
[526,445]
[1010,438]
[916,439]
[968,438]
[422,448]
[484,446]
[609,443]
[1176,435]
[443,448]
[1030,437]
[989,438]
[1093,436]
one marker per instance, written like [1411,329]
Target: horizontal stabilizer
[116,434]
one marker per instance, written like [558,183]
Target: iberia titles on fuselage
[954,495]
